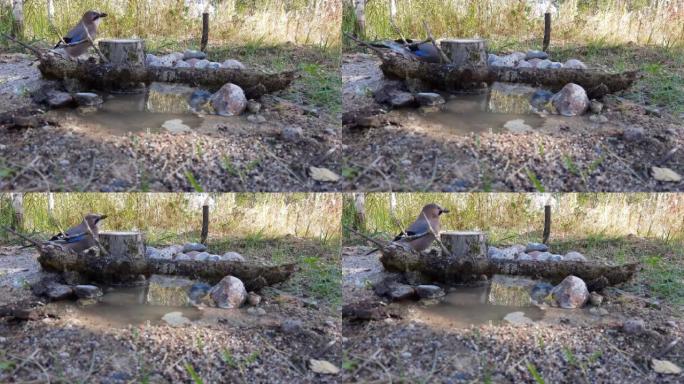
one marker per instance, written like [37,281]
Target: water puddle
[120,307]
[467,305]
[470,113]
[124,113]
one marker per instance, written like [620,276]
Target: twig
[367,169]
[30,48]
[667,348]
[372,240]
[365,44]
[397,30]
[367,361]
[667,156]
[90,39]
[30,240]
[443,57]
[436,235]
[624,356]
[97,241]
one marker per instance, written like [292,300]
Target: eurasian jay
[78,238]
[418,235]
[77,42]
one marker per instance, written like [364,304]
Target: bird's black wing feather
[66,40]
[402,235]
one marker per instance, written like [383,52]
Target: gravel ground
[565,347]
[222,346]
[228,154]
[571,154]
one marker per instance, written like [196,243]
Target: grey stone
[192,54]
[598,311]
[633,134]
[189,247]
[596,107]
[87,291]
[183,257]
[56,291]
[256,311]
[532,54]
[169,60]
[544,64]
[152,60]
[292,133]
[182,64]
[230,100]
[524,64]
[152,252]
[491,58]
[87,99]
[595,299]
[600,119]
[429,291]
[175,319]
[574,64]
[253,299]
[399,99]
[517,318]
[214,258]
[202,64]
[556,258]
[571,293]
[429,99]
[229,293]
[232,256]
[232,64]
[201,256]
[572,100]
[394,290]
[291,326]
[58,99]
[536,247]
[556,65]
[253,106]
[256,119]
[634,326]
[574,256]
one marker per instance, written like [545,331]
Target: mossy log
[102,76]
[451,77]
[111,268]
[447,269]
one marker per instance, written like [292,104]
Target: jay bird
[76,39]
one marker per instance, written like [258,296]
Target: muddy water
[467,113]
[466,306]
[120,307]
[124,113]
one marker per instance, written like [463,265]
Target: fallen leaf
[666,367]
[665,174]
[323,174]
[323,366]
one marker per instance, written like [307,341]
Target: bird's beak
[443,211]
[102,217]
[102,15]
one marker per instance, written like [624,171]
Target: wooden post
[465,52]
[547,224]
[18,210]
[360,211]
[205,31]
[547,31]
[17,19]
[205,224]
[471,245]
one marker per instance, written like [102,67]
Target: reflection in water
[466,306]
[124,113]
[123,306]
[467,113]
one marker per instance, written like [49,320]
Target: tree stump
[465,245]
[465,52]
[123,244]
[124,52]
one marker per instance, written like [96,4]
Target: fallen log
[449,270]
[113,268]
[449,77]
[102,76]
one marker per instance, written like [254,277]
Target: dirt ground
[221,346]
[565,346]
[564,154]
[227,154]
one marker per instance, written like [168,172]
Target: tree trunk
[18,19]
[393,11]
[102,76]
[110,269]
[123,51]
[120,245]
[360,11]
[360,211]
[449,77]
[51,12]
[466,52]
[465,245]
[18,211]
[450,270]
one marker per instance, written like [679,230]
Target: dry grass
[304,22]
[610,21]
[175,216]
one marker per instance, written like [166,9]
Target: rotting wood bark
[451,270]
[450,77]
[101,76]
[107,268]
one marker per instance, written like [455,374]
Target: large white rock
[230,100]
[572,100]
[230,292]
[571,293]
